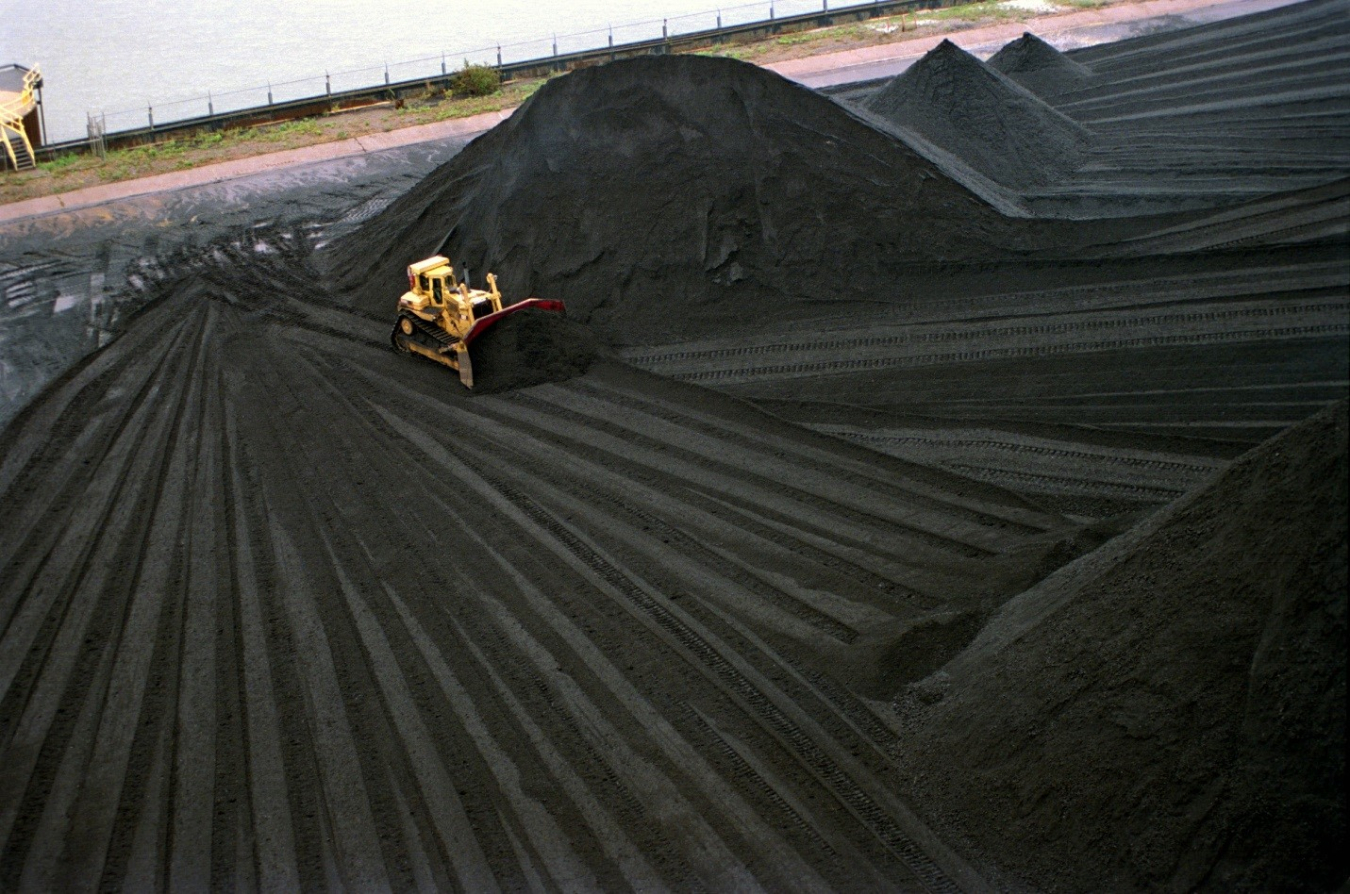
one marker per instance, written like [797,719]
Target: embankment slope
[1168,712]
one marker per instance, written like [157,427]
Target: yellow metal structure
[13,108]
[439,316]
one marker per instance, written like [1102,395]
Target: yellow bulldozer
[439,316]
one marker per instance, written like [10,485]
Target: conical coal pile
[993,124]
[1039,67]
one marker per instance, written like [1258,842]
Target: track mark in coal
[807,750]
[730,376]
[794,450]
[907,521]
[993,330]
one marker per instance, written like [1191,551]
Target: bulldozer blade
[465,365]
[549,304]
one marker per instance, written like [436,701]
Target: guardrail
[334,91]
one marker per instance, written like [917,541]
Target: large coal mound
[668,196]
[1039,67]
[993,124]
[1169,712]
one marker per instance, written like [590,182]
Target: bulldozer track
[656,527]
[744,773]
[907,529]
[435,333]
[1188,469]
[1054,484]
[874,481]
[737,683]
[1134,321]
[836,366]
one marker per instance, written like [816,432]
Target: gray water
[115,58]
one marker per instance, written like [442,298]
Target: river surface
[119,59]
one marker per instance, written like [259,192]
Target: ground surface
[282,608]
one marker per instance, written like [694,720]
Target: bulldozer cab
[433,279]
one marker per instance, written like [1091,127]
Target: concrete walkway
[1078,28]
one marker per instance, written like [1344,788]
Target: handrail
[13,112]
[15,109]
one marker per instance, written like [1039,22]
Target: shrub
[476,80]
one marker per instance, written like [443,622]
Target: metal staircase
[18,151]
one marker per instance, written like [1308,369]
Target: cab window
[436,291]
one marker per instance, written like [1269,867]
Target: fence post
[442,65]
[664,33]
[719,20]
[499,55]
[555,44]
[210,106]
[269,93]
[611,37]
[327,84]
[386,74]
[150,113]
[770,10]
[96,142]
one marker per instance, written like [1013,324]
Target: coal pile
[973,111]
[530,347]
[1039,67]
[1168,712]
[668,195]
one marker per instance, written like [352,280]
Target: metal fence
[432,67]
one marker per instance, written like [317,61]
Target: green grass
[64,162]
[801,38]
[181,152]
[745,52]
[275,133]
[512,94]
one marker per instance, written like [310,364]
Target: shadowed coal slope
[1169,712]
[283,609]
